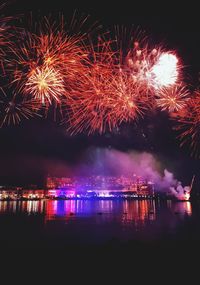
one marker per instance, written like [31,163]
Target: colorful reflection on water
[29,207]
[132,210]
[91,221]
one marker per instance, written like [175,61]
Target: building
[99,187]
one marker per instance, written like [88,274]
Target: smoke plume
[101,161]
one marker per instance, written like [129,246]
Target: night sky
[34,148]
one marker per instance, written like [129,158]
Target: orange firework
[107,98]
[51,57]
[45,84]
[63,53]
[188,124]
[90,105]
[5,34]
[23,59]
[128,103]
[172,99]
[13,110]
[112,92]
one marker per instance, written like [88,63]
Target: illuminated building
[99,187]
[84,188]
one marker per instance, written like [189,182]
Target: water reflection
[29,207]
[129,210]
[139,211]
[94,220]
[183,209]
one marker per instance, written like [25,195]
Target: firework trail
[188,124]
[5,35]
[172,99]
[128,104]
[14,109]
[97,85]
[63,52]
[116,90]
[114,101]
[91,102]
[152,67]
[45,84]
[41,61]
[108,98]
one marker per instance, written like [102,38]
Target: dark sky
[30,150]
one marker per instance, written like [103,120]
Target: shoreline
[98,199]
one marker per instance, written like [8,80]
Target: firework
[113,92]
[50,57]
[23,59]
[15,109]
[152,67]
[89,108]
[128,104]
[98,85]
[5,34]
[45,84]
[110,98]
[172,99]
[165,71]
[90,102]
[188,124]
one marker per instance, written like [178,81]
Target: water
[95,222]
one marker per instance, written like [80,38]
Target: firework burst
[108,100]
[13,110]
[172,99]
[5,35]
[98,86]
[90,102]
[23,59]
[127,104]
[88,109]
[165,71]
[64,53]
[48,57]
[188,124]
[152,67]
[45,84]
